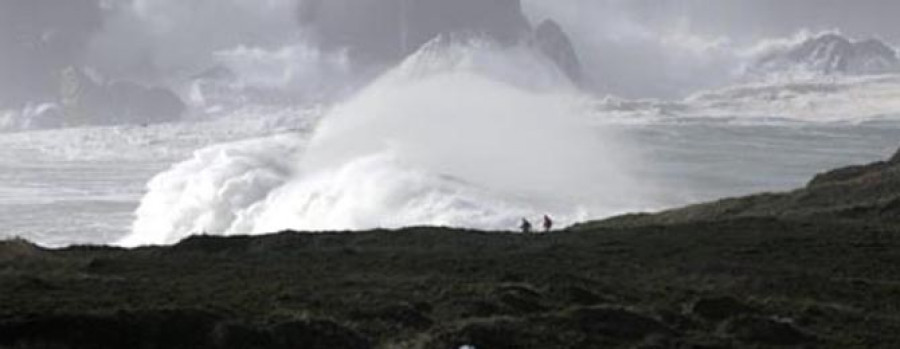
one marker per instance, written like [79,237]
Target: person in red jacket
[548,224]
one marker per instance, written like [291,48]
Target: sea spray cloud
[157,39]
[447,138]
[207,193]
[296,74]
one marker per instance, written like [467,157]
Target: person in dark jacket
[548,224]
[526,226]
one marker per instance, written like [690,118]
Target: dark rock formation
[551,40]
[386,31]
[834,54]
[389,30]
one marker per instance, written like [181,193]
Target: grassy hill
[817,267]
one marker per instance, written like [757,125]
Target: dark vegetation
[818,267]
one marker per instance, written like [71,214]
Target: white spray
[452,137]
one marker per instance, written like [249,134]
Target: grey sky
[632,47]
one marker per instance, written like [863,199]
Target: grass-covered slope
[868,194]
[819,267]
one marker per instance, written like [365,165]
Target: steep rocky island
[816,267]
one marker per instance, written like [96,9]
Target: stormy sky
[657,48]
[737,19]
[629,47]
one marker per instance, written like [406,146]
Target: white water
[458,135]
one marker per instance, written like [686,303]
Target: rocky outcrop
[553,42]
[833,54]
[386,31]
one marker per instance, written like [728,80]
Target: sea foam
[453,137]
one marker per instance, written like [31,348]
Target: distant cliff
[832,54]
[386,31]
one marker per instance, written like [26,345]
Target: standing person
[526,226]
[548,224]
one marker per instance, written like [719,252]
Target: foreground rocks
[818,267]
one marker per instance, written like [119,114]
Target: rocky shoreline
[816,267]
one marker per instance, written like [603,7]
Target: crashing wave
[453,136]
